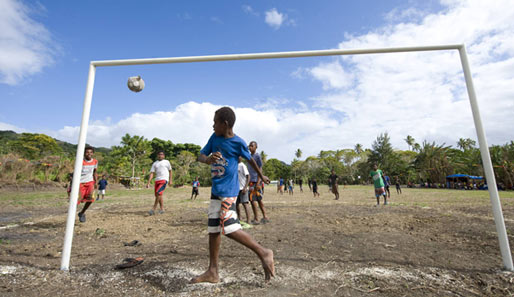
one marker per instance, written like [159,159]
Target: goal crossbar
[484,149]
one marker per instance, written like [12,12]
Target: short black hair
[89,148]
[226,114]
[161,151]
[253,141]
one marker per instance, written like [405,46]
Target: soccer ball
[136,83]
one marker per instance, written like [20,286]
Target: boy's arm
[246,183]
[149,180]
[95,177]
[258,170]
[171,177]
[212,158]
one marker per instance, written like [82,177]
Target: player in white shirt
[163,176]
[242,197]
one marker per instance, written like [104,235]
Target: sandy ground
[425,243]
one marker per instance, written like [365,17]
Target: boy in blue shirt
[102,185]
[222,152]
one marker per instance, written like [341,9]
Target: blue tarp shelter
[465,176]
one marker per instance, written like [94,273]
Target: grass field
[426,242]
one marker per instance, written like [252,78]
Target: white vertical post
[488,166]
[70,223]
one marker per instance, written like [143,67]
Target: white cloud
[5,126]
[276,131]
[423,94]
[249,10]
[26,46]
[274,18]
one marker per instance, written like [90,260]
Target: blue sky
[308,103]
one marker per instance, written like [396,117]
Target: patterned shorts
[223,215]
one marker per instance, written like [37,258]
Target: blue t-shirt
[225,181]
[196,184]
[254,176]
[102,184]
[281,182]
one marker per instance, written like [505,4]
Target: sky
[316,103]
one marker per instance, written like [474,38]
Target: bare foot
[268,265]
[206,277]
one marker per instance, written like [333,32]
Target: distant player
[255,186]
[314,184]
[88,178]
[300,182]
[397,184]
[387,183]
[378,182]
[196,186]
[291,186]
[70,180]
[163,175]
[334,179]
[102,185]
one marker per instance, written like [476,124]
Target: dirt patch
[422,244]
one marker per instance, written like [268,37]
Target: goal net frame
[484,149]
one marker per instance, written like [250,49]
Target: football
[136,83]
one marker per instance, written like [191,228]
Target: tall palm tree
[466,143]
[358,148]
[410,141]
[264,157]
[298,153]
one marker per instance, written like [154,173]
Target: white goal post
[484,149]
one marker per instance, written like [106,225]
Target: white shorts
[222,215]
[101,192]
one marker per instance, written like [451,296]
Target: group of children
[232,184]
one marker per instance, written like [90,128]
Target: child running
[376,174]
[102,185]
[196,186]
[222,152]
[88,178]
[163,176]
[255,186]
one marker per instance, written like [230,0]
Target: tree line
[40,158]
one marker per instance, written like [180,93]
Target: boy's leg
[86,206]
[161,202]
[261,206]
[156,202]
[245,205]
[264,254]
[211,275]
[254,209]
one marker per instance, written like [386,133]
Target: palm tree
[264,157]
[358,148]
[298,153]
[410,141]
[466,143]
[416,147]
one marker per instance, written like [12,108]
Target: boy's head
[252,147]
[333,171]
[103,176]
[88,152]
[160,155]
[224,119]
[196,178]
[375,166]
